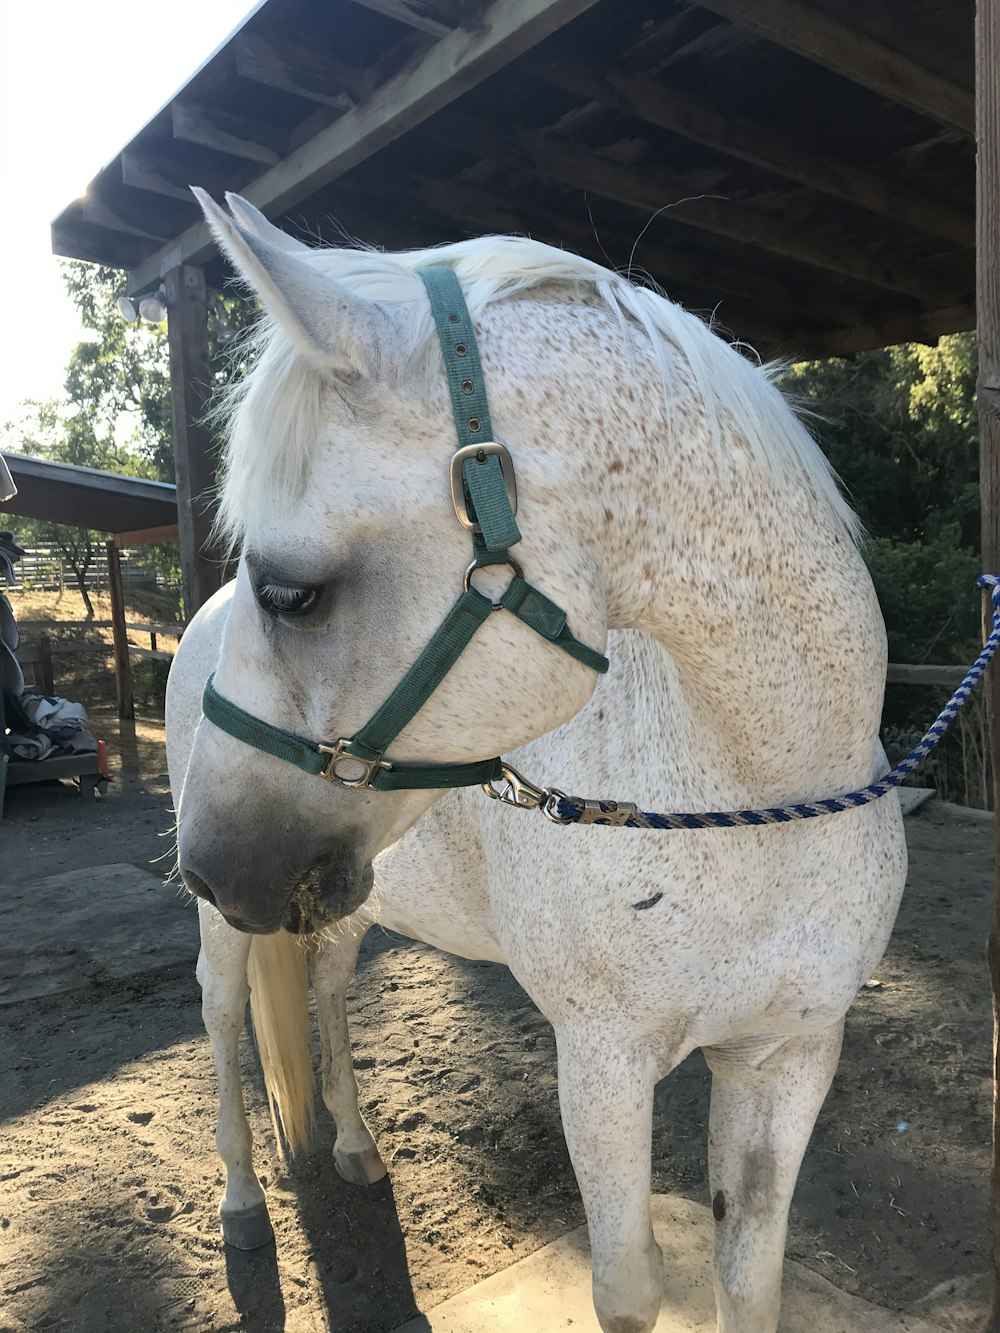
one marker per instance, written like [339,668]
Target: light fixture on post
[225,331]
[151,306]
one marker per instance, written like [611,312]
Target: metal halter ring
[364,769]
[512,565]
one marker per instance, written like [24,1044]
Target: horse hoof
[249,1229]
[360,1168]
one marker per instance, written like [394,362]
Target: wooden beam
[988,401]
[451,67]
[905,673]
[417,14]
[654,193]
[143,171]
[147,536]
[922,327]
[123,668]
[295,69]
[76,239]
[213,128]
[705,275]
[100,214]
[802,28]
[190,390]
[161,174]
[654,102]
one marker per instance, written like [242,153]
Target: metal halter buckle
[458,496]
[339,754]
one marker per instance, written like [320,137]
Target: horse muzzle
[260,896]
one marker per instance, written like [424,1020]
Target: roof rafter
[802,28]
[462,202]
[654,102]
[449,68]
[653,193]
[294,69]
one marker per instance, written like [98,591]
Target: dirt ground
[109,1181]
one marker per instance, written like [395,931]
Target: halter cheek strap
[485,498]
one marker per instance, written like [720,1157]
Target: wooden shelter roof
[87,498]
[804,167]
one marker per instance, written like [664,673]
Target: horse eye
[284,601]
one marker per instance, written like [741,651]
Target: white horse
[664,485]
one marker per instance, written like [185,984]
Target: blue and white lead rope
[570,810]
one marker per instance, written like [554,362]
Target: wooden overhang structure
[806,169]
[133,510]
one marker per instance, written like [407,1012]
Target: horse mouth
[324,895]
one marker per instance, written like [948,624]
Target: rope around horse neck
[573,810]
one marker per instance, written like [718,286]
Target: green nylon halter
[483,504]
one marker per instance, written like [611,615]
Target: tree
[116,412]
[899,427]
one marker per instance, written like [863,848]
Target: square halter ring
[349,770]
[479,453]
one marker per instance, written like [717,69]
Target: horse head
[336,496]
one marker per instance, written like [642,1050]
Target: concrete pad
[550,1290]
[912,798]
[72,929]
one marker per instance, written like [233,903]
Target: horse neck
[755,589]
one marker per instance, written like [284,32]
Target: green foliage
[899,426]
[116,412]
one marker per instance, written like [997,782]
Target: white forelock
[272,416]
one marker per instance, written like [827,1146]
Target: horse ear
[331,327]
[253,220]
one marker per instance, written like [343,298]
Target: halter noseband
[484,494]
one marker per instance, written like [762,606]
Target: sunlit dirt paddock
[109,1180]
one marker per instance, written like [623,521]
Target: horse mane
[271,414]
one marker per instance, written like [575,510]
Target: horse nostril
[197,885]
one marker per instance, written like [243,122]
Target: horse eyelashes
[287,601]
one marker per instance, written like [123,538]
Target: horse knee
[749,1300]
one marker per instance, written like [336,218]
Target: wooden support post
[190,388]
[988,329]
[123,667]
[46,678]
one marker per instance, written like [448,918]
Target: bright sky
[77,80]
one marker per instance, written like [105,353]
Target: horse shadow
[354,1249]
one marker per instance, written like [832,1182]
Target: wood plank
[213,128]
[147,536]
[451,67]
[151,653]
[988,402]
[159,173]
[141,171]
[190,391]
[295,69]
[653,193]
[802,28]
[905,673]
[656,103]
[711,278]
[924,326]
[123,668]
[99,214]
[429,18]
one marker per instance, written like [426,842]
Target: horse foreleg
[764,1106]
[355,1154]
[222,974]
[606,1082]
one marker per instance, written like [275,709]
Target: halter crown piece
[484,494]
